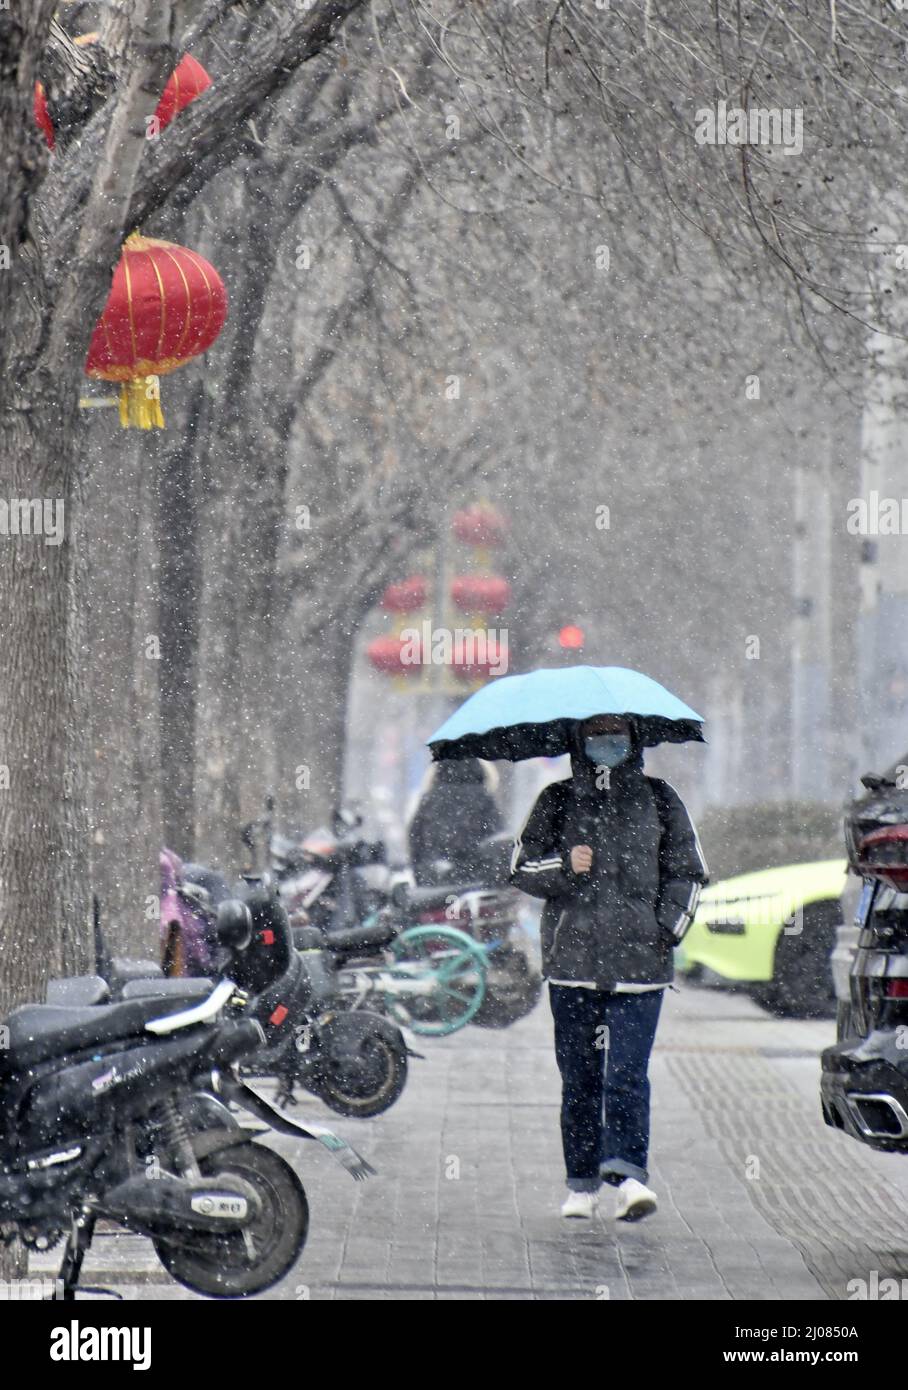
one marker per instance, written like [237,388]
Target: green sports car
[770,933]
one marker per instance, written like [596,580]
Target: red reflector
[897,989]
[267,937]
[279,1015]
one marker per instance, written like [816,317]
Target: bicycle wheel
[456,966]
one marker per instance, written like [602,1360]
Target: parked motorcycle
[355,1061]
[119,1111]
[321,880]
[429,978]
[357,1065]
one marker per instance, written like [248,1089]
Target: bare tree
[63,226]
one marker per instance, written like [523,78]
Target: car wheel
[802,985]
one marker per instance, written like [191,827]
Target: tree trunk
[310,780]
[123,630]
[180,573]
[219,723]
[44,910]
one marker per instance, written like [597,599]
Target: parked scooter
[488,909]
[356,1064]
[321,876]
[355,1061]
[97,1099]
[322,882]
[428,976]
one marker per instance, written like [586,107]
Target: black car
[864,1085]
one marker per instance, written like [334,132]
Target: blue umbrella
[533,715]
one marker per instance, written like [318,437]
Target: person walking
[455,815]
[617,859]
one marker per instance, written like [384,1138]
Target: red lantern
[479,525]
[187,81]
[480,668]
[167,304]
[386,655]
[481,593]
[406,597]
[42,115]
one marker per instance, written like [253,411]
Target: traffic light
[571,637]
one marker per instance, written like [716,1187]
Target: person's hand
[581,859]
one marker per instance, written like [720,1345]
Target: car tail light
[896,989]
[883,854]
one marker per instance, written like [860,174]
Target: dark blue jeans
[602,1045]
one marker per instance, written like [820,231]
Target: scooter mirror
[345,818]
[234,925]
[400,893]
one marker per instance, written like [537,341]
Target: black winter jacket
[619,922]
[452,820]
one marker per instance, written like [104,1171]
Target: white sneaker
[581,1204]
[634,1201]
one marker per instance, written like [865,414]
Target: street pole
[811,629]
[882,643]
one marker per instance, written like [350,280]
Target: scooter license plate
[220,1204]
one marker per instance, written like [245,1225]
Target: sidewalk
[759,1200]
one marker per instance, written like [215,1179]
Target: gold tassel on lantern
[140,404]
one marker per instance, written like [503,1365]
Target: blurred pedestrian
[456,813]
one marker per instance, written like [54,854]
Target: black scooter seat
[436,896]
[38,1032]
[123,969]
[190,989]
[369,936]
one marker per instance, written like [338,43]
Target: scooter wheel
[512,989]
[363,1065]
[240,1263]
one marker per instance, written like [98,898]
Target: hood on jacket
[477,771]
[584,772]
